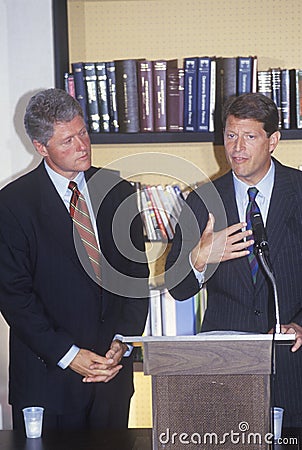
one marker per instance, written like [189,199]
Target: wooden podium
[210,390]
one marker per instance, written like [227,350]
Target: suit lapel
[281,209]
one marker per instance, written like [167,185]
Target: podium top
[214,336]
[210,353]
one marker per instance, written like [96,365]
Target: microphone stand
[260,252]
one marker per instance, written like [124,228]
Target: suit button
[102,320]
[257,313]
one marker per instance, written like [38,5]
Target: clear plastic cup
[278,418]
[33,418]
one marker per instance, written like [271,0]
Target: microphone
[259,232]
[262,251]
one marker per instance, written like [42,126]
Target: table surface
[132,439]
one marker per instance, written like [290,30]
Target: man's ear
[274,140]
[41,149]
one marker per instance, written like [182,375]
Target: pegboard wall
[271,29]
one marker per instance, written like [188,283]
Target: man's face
[68,152]
[248,149]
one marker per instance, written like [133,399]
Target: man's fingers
[103,375]
[236,227]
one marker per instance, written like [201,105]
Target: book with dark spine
[160,68]
[226,78]
[80,88]
[101,76]
[190,94]
[92,97]
[245,74]
[212,95]
[175,99]
[145,95]
[285,99]
[203,93]
[276,90]
[226,86]
[127,95]
[296,98]
[111,92]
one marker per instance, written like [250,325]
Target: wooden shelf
[291,134]
[151,138]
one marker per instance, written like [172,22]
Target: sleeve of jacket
[19,304]
[179,276]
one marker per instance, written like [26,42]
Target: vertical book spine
[190,92]
[145,95]
[92,97]
[203,93]
[80,88]
[103,96]
[127,95]
[111,92]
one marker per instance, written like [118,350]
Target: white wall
[26,55]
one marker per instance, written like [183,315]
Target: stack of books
[160,207]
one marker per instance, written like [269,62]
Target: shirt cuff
[119,337]
[68,357]
[199,275]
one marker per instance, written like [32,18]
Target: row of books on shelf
[139,95]
[170,317]
[160,207]
[284,87]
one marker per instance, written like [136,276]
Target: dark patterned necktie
[252,207]
[81,218]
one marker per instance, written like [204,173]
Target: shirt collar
[61,183]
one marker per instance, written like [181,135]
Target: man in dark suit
[211,242]
[66,326]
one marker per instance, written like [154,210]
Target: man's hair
[47,108]
[253,106]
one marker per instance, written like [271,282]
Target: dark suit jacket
[49,300]
[233,301]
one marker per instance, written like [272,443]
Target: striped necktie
[81,218]
[251,208]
